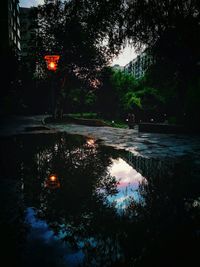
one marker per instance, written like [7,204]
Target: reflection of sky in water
[47,246]
[128,179]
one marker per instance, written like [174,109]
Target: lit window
[18,45]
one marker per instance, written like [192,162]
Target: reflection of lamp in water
[52,181]
[90,142]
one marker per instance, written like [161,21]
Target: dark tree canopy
[171,28]
[89,33]
[171,31]
[80,32]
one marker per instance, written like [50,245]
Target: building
[118,67]
[10,44]
[29,45]
[139,65]
[52,2]
[27,33]
[10,26]
[14,26]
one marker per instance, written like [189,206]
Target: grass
[85,115]
[90,115]
[116,124]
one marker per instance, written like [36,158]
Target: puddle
[71,190]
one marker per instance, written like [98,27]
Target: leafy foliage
[130,99]
[79,32]
[170,30]
[121,93]
[88,33]
[157,225]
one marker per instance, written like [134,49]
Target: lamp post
[52,181]
[52,65]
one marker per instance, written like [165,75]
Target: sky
[129,180]
[124,58]
[29,3]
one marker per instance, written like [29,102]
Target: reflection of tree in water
[165,225]
[162,230]
[79,207]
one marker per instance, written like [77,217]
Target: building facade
[118,67]
[9,52]
[52,1]
[10,26]
[139,65]
[27,33]
[14,26]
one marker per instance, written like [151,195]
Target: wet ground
[141,144]
[114,198]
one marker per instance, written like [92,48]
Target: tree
[76,30]
[171,30]
[120,93]
[87,33]
[126,85]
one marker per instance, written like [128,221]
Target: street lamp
[52,64]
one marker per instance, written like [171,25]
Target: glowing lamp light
[52,62]
[52,182]
[90,142]
[52,178]
[52,66]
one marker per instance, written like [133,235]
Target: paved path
[144,144]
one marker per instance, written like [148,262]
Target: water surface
[70,201]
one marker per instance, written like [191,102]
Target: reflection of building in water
[130,171]
[148,167]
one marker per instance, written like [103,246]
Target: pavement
[149,145]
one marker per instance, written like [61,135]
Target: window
[10,6]
[18,45]
[18,8]
[18,33]
[11,21]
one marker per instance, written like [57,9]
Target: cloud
[125,57]
[29,3]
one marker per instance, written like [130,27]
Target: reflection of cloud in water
[45,246]
[129,180]
[39,228]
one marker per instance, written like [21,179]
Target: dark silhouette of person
[131,120]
